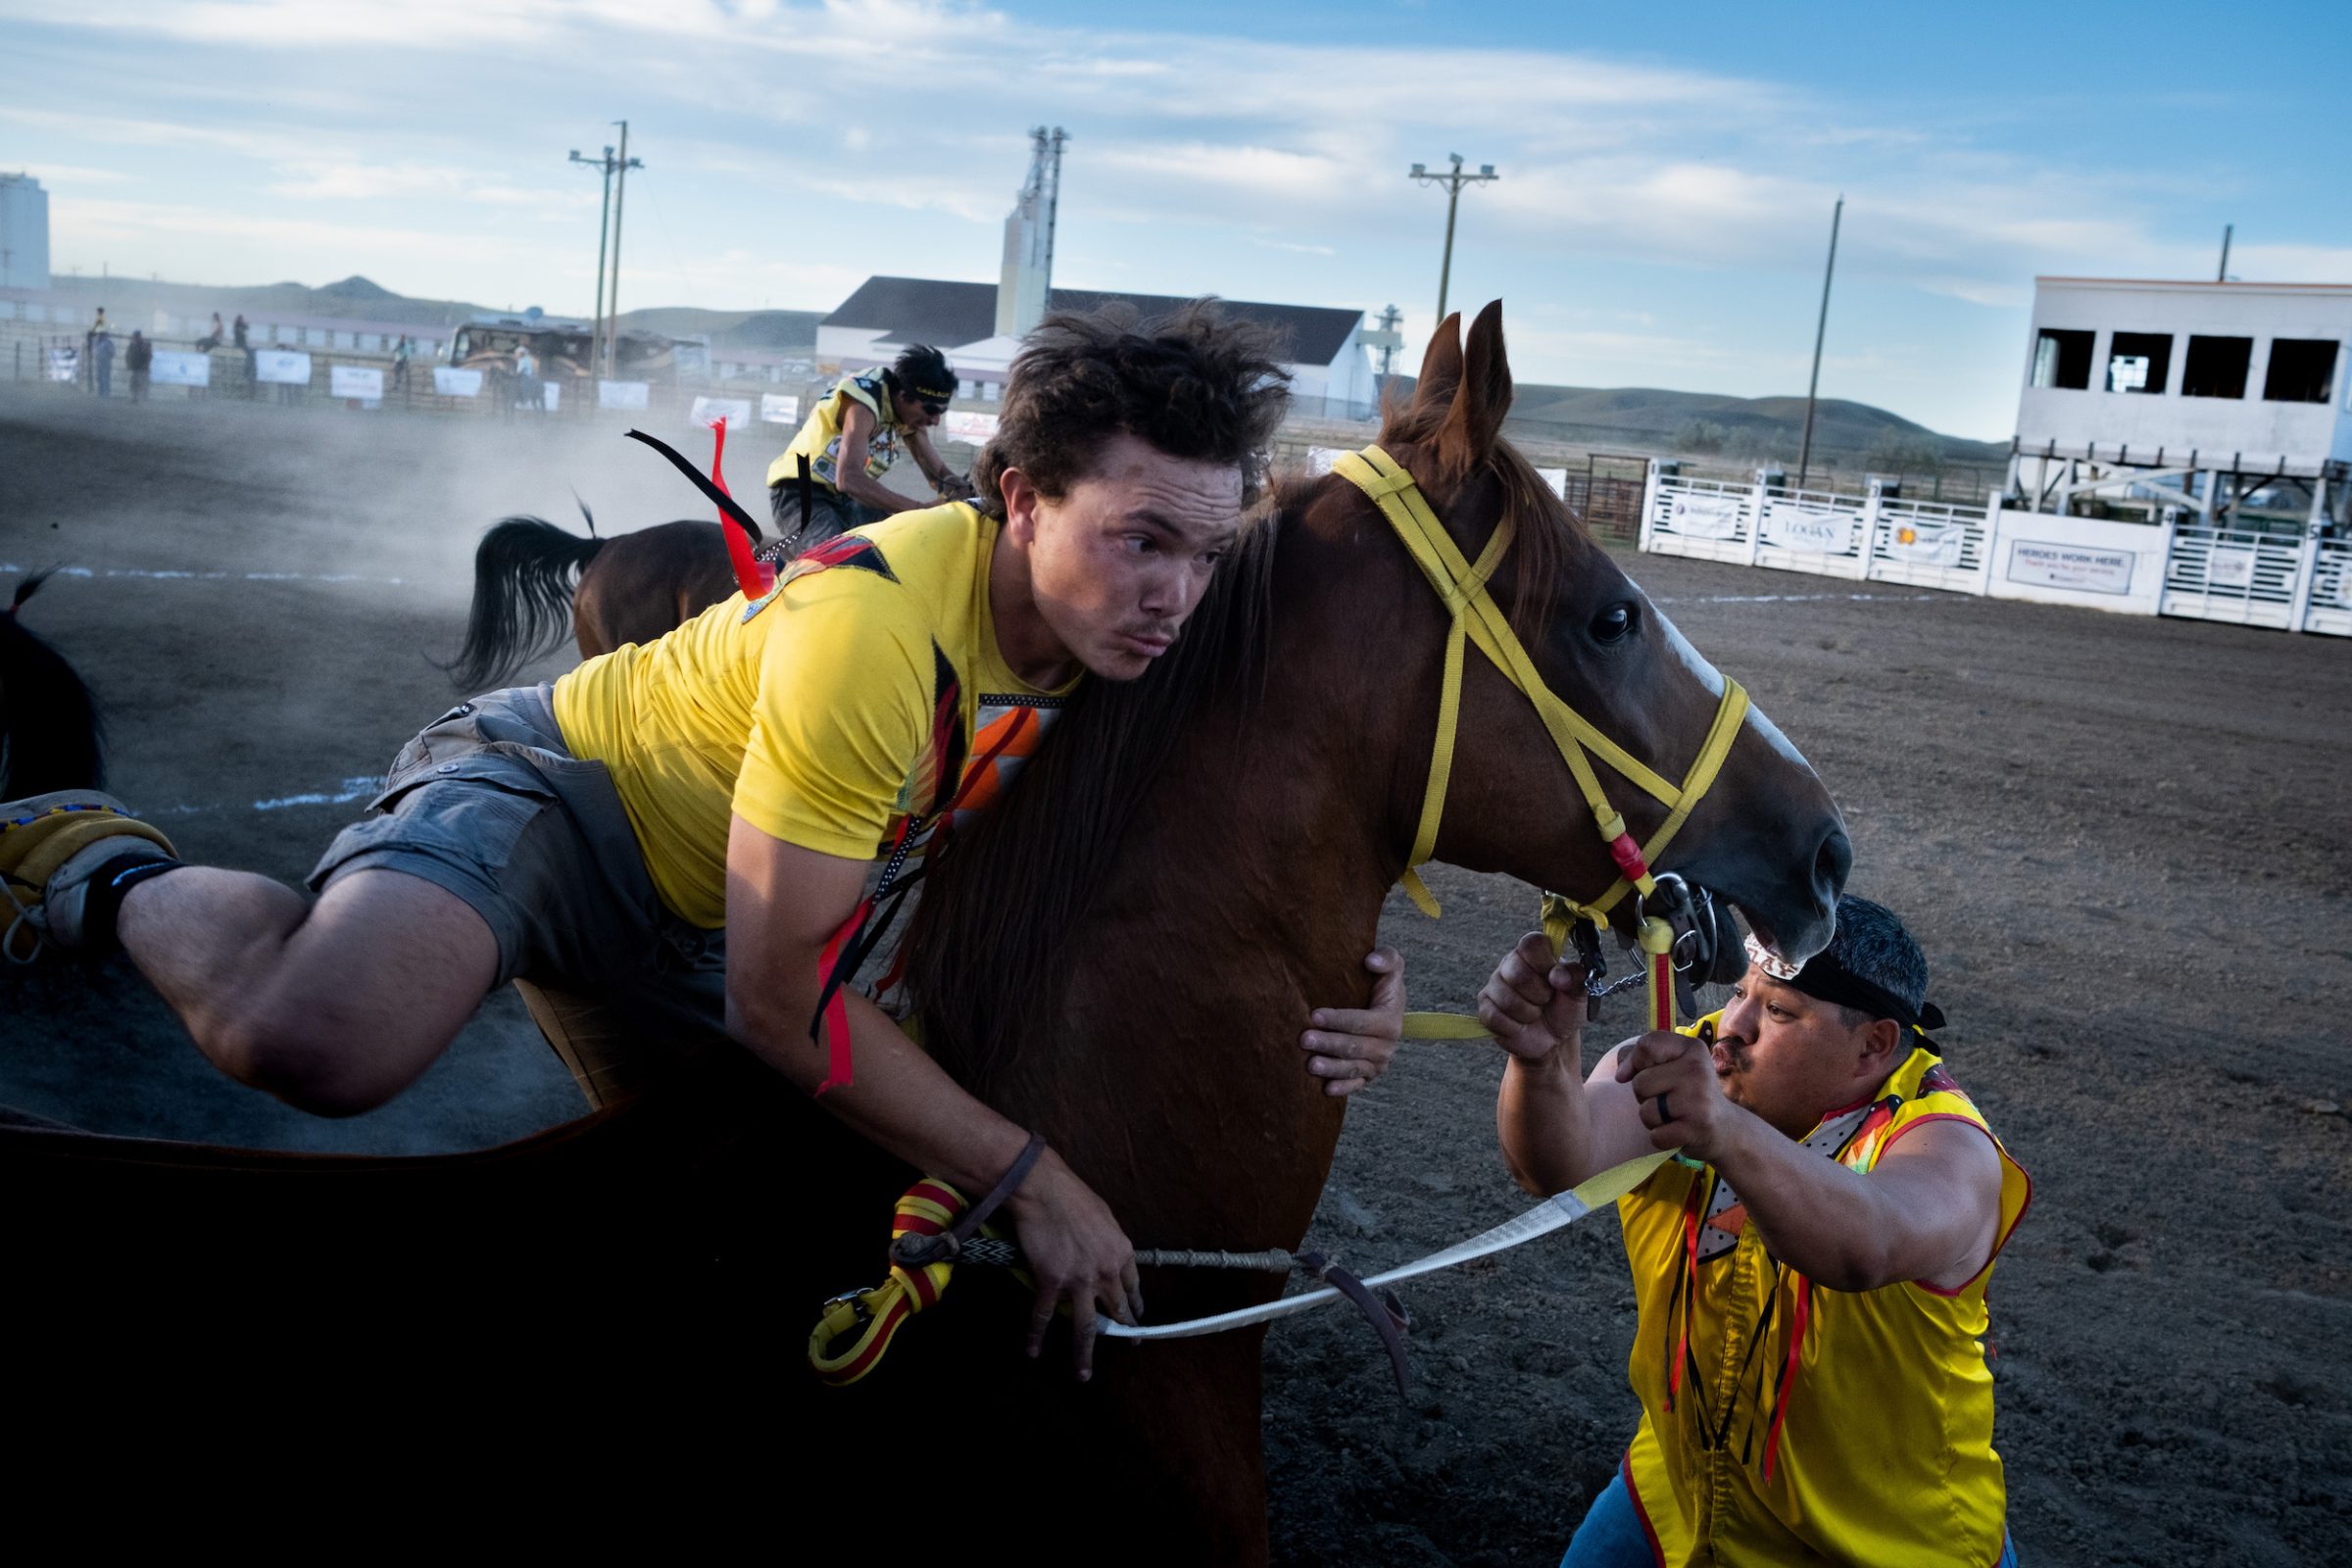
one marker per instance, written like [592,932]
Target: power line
[1453,180]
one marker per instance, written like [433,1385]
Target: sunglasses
[933,405]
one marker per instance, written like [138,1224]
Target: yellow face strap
[1475,616]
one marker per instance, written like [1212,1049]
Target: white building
[980,326]
[1330,369]
[24,232]
[2229,400]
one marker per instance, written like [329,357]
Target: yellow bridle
[1474,616]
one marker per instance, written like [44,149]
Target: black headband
[1825,979]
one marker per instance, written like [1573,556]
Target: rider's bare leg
[333,1006]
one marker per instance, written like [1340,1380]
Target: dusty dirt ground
[2123,842]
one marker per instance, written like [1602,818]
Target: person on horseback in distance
[670,843]
[853,437]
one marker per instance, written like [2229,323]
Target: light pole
[1453,180]
[621,196]
[604,221]
[1804,450]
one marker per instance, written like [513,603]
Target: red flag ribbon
[752,575]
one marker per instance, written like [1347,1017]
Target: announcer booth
[2184,448]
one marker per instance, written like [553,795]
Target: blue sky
[1668,171]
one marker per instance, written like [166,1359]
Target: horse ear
[1441,368]
[1475,421]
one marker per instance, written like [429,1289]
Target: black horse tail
[50,735]
[523,577]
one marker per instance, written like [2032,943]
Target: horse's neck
[1247,892]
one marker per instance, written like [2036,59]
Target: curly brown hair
[1194,384]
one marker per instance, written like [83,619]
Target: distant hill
[1654,419]
[769,331]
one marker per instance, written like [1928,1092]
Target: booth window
[2302,370]
[2062,358]
[2217,367]
[2139,362]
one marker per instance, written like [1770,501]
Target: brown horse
[1117,955]
[533,582]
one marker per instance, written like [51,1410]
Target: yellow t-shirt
[819,438]
[861,690]
[1885,1453]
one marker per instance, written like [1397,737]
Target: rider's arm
[784,903]
[944,479]
[1927,1210]
[849,473]
[1556,1125]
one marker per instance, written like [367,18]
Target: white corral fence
[2249,578]
[1701,517]
[2253,579]
[2329,609]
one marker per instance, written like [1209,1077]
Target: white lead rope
[1556,1213]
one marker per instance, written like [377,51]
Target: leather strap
[916,1252]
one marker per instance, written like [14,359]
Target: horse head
[1764,834]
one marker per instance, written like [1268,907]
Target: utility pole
[2223,276]
[620,195]
[1804,451]
[1389,342]
[1453,181]
[604,221]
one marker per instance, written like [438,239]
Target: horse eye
[1612,623]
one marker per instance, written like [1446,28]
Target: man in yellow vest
[853,437]
[1809,1276]
[675,840]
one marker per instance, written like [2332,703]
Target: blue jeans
[1612,1536]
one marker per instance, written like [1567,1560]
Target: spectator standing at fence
[138,359]
[89,351]
[526,379]
[400,364]
[240,328]
[102,351]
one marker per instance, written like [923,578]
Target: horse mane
[1003,893]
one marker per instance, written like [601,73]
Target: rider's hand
[1534,1003]
[1349,1047]
[954,487]
[1077,1252]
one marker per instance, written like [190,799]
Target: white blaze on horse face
[1708,675]
[1712,679]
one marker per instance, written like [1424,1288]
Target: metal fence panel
[2330,609]
[2234,575]
[1703,519]
[1931,544]
[1815,531]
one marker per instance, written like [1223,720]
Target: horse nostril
[1832,862]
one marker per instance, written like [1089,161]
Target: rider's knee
[287,1056]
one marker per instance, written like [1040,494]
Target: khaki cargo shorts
[487,802]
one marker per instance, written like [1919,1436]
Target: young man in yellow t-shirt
[669,842]
[1809,1344]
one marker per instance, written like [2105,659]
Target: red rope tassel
[1788,1388]
[1686,1291]
[752,575]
